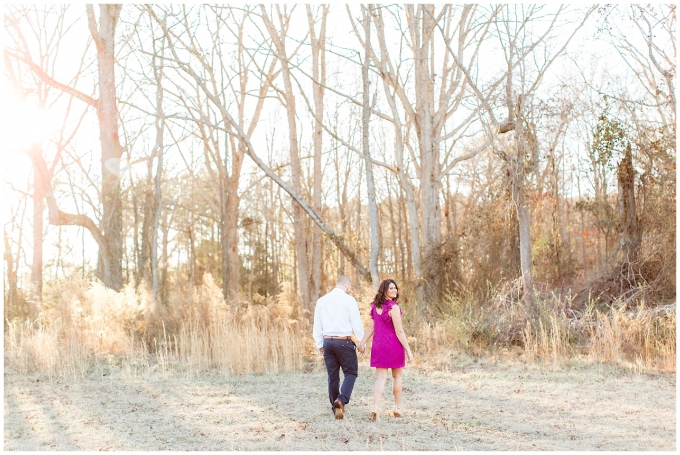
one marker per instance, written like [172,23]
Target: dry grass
[30,348]
[84,327]
[234,347]
[646,337]
[474,406]
[186,377]
[641,338]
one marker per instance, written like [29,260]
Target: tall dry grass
[38,348]
[640,338]
[645,337]
[85,328]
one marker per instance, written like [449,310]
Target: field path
[492,407]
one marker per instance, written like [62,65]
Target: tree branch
[50,81]
[250,151]
[56,216]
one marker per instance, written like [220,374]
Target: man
[335,317]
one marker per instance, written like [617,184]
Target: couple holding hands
[336,316]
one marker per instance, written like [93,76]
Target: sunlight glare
[23,124]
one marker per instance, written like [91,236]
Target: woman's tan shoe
[375,416]
[397,413]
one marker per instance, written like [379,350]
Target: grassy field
[100,370]
[470,406]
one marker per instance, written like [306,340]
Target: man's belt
[338,338]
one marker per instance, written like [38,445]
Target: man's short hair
[343,280]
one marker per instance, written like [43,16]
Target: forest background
[182,182]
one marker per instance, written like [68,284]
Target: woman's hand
[362,348]
[409,356]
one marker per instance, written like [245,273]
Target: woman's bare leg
[378,389]
[396,389]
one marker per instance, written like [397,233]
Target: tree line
[449,146]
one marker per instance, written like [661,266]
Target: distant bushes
[639,337]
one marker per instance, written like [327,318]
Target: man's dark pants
[340,354]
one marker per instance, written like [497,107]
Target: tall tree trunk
[135,235]
[630,228]
[273,241]
[233,261]
[11,296]
[163,265]
[299,217]
[430,209]
[37,265]
[556,223]
[319,76]
[414,244]
[370,183]
[158,206]
[400,235]
[429,117]
[107,112]
[147,224]
[296,168]
[517,170]
[145,255]
[524,238]
[394,260]
[159,151]
[224,242]
[341,196]
[191,253]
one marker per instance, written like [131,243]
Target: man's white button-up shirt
[336,314]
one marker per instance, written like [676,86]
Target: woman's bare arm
[399,328]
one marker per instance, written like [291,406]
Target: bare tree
[104,36]
[222,146]
[12,260]
[158,68]
[279,34]
[647,45]
[365,148]
[519,43]
[428,98]
[318,48]
[236,129]
[109,233]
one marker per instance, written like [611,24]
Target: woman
[390,346]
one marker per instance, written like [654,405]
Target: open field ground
[471,407]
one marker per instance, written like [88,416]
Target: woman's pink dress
[386,351]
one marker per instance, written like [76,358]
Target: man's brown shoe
[339,409]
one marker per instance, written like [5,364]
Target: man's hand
[361,349]
[321,352]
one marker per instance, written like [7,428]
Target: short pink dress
[386,351]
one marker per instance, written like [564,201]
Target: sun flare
[24,124]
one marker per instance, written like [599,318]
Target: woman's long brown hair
[381,296]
